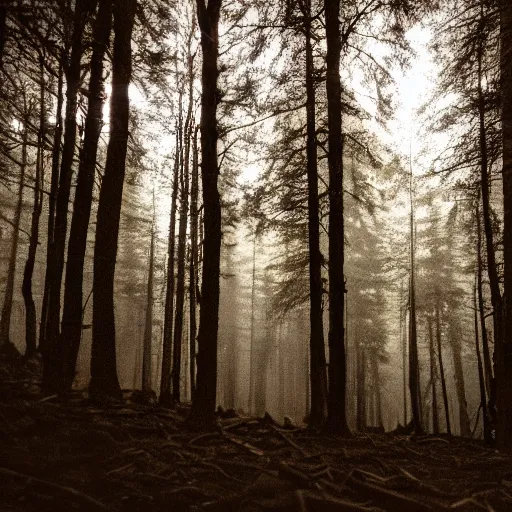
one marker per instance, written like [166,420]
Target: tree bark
[503,346]
[104,380]
[54,356]
[182,245]
[253,363]
[194,263]
[147,353]
[361,388]
[182,232]
[403,340]
[26,288]
[6,345]
[377,391]
[73,290]
[481,308]
[481,375]
[496,296]
[433,377]
[203,405]
[336,416]
[318,376]
[460,386]
[165,377]
[414,376]
[50,243]
[441,370]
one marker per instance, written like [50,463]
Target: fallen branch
[424,440]
[121,469]
[77,495]
[46,399]
[290,441]
[390,499]
[221,471]
[240,442]
[309,501]
[203,436]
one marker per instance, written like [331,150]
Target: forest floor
[57,456]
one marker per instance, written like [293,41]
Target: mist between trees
[198,200]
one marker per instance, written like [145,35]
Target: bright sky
[413,88]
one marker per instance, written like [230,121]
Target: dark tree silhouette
[336,419]
[504,354]
[318,375]
[54,356]
[165,380]
[73,291]
[203,405]
[104,382]
[26,287]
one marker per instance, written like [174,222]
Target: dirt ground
[57,456]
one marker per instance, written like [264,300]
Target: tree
[504,352]
[53,354]
[480,366]
[148,326]
[194,260]
[165,381]
[5,321]
[71,331]
[104,382]
[30,307]
[336,419]
[414,372]
[317,348]
[203,405]
[182,231]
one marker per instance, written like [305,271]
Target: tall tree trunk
[50,242]
[337,418]
[104,380]
[481,308]
[73,290]
[165,377]
[496,296]
[26,288]
[182,232]
[403,340]
[281,367]
[465,427]
[203,405]
[481,375]
[182,245]
[54,356]
[504,345]
[147,353]
[441,370]
[377,391]
[194,263]
[433,377]
[6,345]
[264,349]
[414,381]
[361,388]
[318,376]
[252,350]
[371,397]
[230,369]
